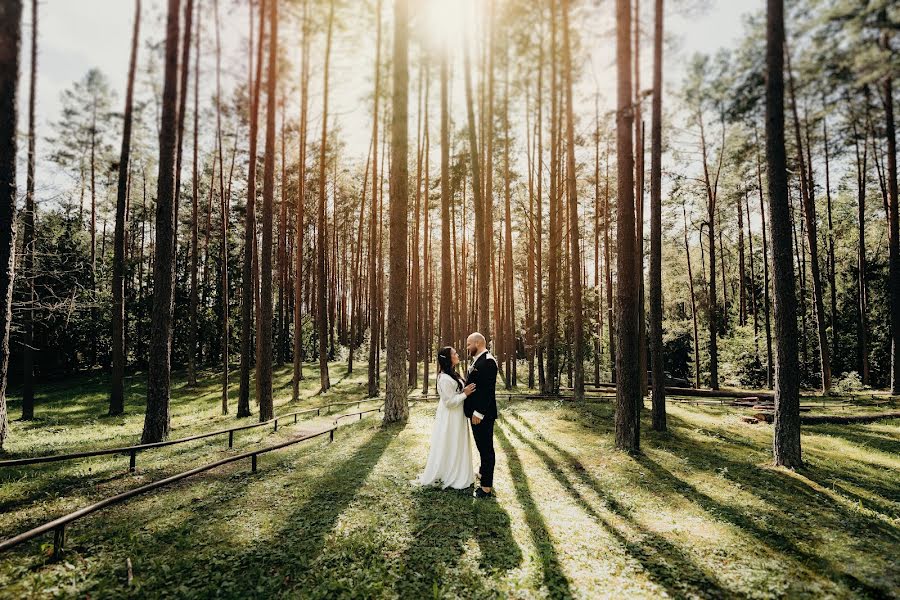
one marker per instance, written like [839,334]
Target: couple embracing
[464,404]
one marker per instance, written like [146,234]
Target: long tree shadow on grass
[785,493]
[554,579]
[441,524]
[859,437]
[664,562]
[292,558]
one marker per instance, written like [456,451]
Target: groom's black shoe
[480,493]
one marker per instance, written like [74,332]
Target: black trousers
[484,441]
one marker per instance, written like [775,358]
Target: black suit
[484,400]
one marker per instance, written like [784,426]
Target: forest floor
[699,513]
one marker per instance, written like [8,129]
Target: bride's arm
[449,394]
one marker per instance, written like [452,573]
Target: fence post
[132,461]
[253,462]
[59,541]
[231,439]
[331,435]
[318,412]
[295,418]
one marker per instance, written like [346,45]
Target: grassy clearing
[701,513]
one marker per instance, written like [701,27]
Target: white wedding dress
[450,458]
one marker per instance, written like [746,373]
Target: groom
[481,408]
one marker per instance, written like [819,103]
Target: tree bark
[482,258]
[770,369]
[10,40]
[264,335]
[809,212]
[248,294]
[157,421]
[117,394]
[396,405]
[658,396]
[628,390]
[551,378]
[712,308]
[28,237]
[374,227]
[894,224]
[446,256]
[690,273]
[862,295]
[195,216]
[300,242]
[786,444]
[574,234]
[322,245]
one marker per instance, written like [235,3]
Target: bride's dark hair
[445,364]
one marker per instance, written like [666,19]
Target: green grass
[700,513]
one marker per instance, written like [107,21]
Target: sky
[76,35]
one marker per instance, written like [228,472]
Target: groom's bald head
[475,343]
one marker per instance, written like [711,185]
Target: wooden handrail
[133,450]
[58,525]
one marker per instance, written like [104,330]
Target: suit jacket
[484,399]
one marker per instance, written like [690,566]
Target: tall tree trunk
[374,227]
[396,405]
[300,227]
[281,266]
[574,235]
[487,132]
[482,258]
[539,227]
[248,294]
[894,237]
[786,443]
[552,376]
[598,290]
[117,395]
[690,273]
[770,370]
[322,249]
[742,265]
[753,305]
[28,237]
[264,334]
[809,212]
[628,390]
[656,299]
[195,224]
[713,309]
[223,209]
[446,281]
[412,307]
[10,39]
[510,320]
[832,272]
[639,135]
[156,420]
[607,261]
[862,295]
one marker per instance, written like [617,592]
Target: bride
[450,457]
